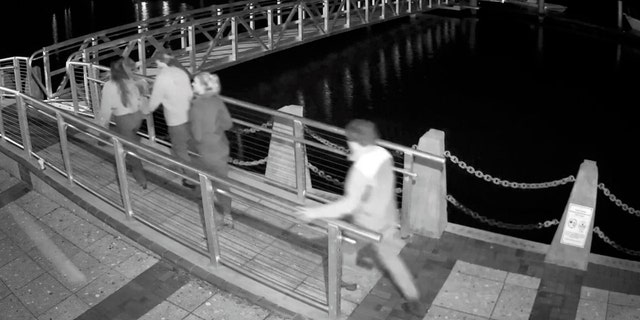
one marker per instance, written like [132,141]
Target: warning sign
[577,226]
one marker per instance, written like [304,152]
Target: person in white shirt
[369,198]
[122,97]
[172,89]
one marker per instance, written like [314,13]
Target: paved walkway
[59,262]
[95,272]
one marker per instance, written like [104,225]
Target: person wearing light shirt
[369,198]
[172,89]
[122,97]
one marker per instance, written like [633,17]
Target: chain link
[500,224]
[324,175]
[612,243]
[506,183]
[325,141]
[248,163]
[254,130]
[617,201]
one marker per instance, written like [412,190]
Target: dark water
[516,100]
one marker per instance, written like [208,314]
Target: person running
[172,89]
[370,200]
[210,119]
[122,98]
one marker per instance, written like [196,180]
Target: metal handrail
[361,232]
[69,44]
[123,146]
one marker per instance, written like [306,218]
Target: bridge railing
[317,163]
[51,59]
[53,138]
[262,28]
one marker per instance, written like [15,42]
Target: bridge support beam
[428,204]
[572,242]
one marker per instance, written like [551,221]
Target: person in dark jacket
[210,119]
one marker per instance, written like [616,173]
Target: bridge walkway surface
[466,274]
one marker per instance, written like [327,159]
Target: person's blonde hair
[207,80]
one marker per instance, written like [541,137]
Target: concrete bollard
[428,206]
[572,241]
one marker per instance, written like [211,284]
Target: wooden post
[572,242]
[282,160]
[428,210]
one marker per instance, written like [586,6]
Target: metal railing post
[24,126]
[210,231]
[300,23]
[279,12]
[47,72]
[301,163]
[407,190]
[325,13]
[86,74]
[93,88]
[142,48]
[16,74]
[383,13]
[2,133]
[334,274]
[366,11]
[252,24]
[151,128]
[192,46]
[234,39]
[121,171]
[74,88]
[348,12]
[270,28]
[183,34]
[64,146]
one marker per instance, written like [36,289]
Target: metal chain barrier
[612,243]
[324,175]
[254,130]
[617,201]
[507,183]
[333,180]
[325,141]
[248,163]
[500,224]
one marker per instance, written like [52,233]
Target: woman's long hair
[119,76]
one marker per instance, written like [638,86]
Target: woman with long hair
[122,98]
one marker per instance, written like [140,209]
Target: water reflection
[68,27]
[348,88]
[54,28]
[165,8]
[142,11]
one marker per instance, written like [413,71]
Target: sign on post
[577,226]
